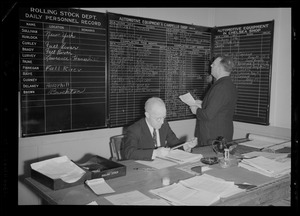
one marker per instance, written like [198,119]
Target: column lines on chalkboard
[44,75]
[71,84]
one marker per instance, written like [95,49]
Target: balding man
[150,136]
[215,115]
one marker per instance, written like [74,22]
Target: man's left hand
[190,144]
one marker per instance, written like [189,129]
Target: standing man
[151,136]
[215,113]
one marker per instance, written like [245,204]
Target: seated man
[151,136]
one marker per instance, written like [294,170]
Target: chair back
[115,145]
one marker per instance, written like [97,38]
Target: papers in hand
[59,168]
[188,99]
[99,186]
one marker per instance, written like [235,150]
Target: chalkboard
[250,46]
[84,70]
[63,72]
[150,57]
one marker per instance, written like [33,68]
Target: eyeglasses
[158,119]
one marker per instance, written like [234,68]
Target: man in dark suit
[150,136]
[215,113]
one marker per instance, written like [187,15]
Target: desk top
[143,181]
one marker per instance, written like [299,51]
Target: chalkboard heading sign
[63,70]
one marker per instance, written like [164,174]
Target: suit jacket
[215,118]
[138,143]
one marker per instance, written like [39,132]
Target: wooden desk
[269,190]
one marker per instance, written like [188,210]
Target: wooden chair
[115,146]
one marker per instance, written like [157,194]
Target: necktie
[154,138]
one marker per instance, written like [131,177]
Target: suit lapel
[147,133]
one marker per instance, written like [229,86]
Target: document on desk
[211,184]
[134,198]
[59,168]
[199,190]
[180,156]
[157,163]
[260,141]
[99,186]
[266,166]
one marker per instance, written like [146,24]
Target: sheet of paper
[259,141]
[209,184]
[269,155]
[99,186]
[128,198]
[153,202]
[178,194]
[181,156]
[198,190]
[279,146]
[157,163]
[188,99]
[59,168]
[93,203]
[266,166]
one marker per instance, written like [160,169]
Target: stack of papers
[59,168]
[134,198]
[260,142]
[266,166]
[180,156]
[199,190]
[99,186]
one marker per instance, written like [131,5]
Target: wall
[75,145]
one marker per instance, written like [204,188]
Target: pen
[144,168]
[178,146]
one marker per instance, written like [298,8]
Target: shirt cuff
[154,154]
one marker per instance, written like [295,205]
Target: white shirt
[157,134]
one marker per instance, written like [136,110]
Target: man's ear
[147,114]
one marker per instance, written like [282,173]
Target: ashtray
[210,160]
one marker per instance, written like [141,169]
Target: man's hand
[198,103]
[190,144]
[194,109]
